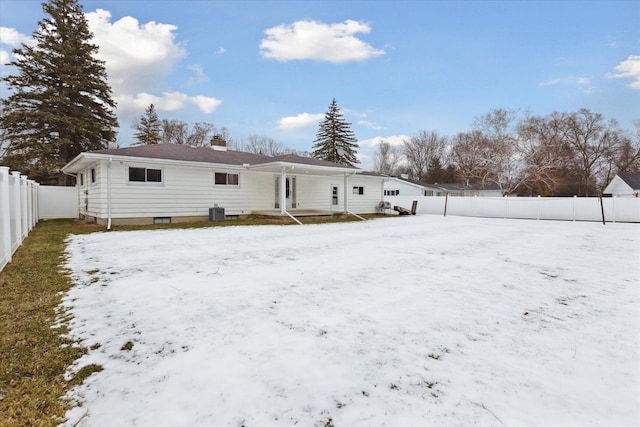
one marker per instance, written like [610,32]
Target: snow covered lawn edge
[414,321]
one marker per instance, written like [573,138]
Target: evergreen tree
[436,172]
[61,103]
[335,141]
[148,128]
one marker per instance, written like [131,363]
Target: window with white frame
[93,175]
[391,192]
[138,174]
[358,190]
[223,178]
[81,179]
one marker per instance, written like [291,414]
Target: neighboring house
[178,183]
[624,185]
[403,186]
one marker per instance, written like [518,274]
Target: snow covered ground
[409,321]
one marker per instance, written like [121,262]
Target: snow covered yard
[400,322]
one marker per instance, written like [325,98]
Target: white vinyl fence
[23,202]
[57,202]
[18,211]
[616,209]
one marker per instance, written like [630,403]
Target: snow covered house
[177,183]
[403,186]
[624,185]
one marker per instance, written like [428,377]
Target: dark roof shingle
[632,179]
[187,153]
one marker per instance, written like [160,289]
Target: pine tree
[335,141]
[148,128]
[61,103]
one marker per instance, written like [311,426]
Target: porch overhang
[302,169]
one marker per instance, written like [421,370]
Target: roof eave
[303,166]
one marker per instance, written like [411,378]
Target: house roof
[186,153]
[631,179]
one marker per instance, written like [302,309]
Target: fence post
[29,205]
[505,207]
[16,208]
[36,203]
[539,201]
[575,199]
[5,216]
[24,207]
[613,207]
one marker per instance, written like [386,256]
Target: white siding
[405,188]
[185,191]
[367,202]
[190,191]
[618,187]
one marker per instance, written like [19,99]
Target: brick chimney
[218,143]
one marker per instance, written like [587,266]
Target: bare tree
[386,159]
[594,141]
[200,134]
[196,135]
[264,145]
[504,160]
[627,157]
[469,154]
[420,150]
[174,131]
[547,156]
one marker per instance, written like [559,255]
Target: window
[358,190]
[391,192]
[81,179]
[145,175]
[93,176]
[222,178]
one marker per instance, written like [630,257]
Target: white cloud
[221,50]
[4,57]
[370,125]
[300,121]
[134,103]
[199,75]
[550,82]
[13,39]
[583,83]
[629,68]
[137,57]
[314,40]
[206,104]
[394,141]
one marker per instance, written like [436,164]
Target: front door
[290,192]
[335,201]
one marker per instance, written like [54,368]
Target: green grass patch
[34,354]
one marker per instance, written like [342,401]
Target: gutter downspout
[109,194]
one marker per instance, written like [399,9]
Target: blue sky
[395,68]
